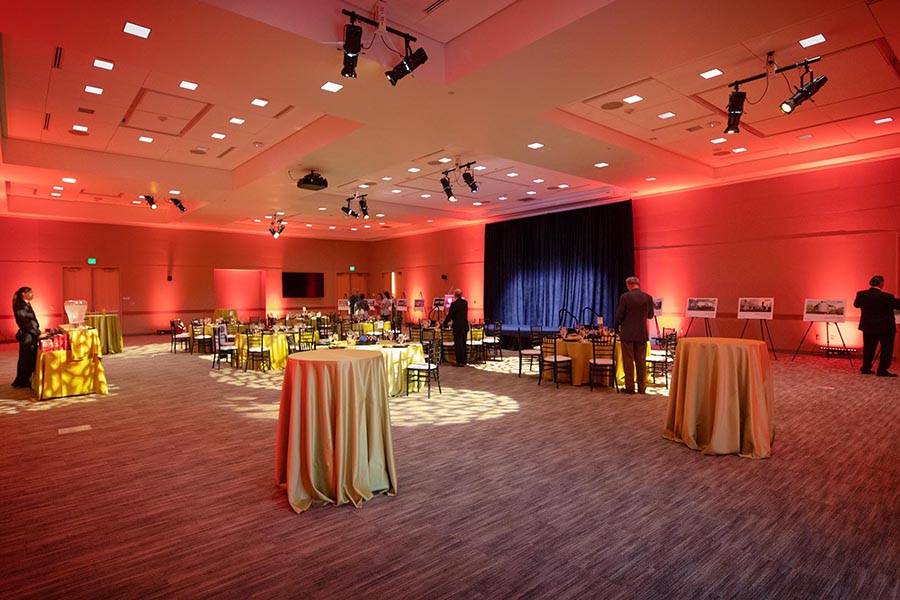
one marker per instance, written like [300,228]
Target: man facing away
[458,315]
[635,307]
[876,321]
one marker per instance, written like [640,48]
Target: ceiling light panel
[188,85]
[812,41]
[106,65]
[90,89]
[137,30]
[711,73]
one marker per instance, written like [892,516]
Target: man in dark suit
[635,307]
[459,316]
[876,321]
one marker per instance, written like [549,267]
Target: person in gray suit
[876,321]
[635,307]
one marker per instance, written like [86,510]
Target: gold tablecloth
[225,314]
[109,329]
[275,342]
[722,397]
[396,361]
[582,352]
[334,429]
[71,372]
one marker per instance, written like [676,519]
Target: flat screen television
[302,285]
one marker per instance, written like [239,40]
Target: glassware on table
[75,311]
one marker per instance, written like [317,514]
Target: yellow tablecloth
[722,397]
[71,372]
[109,329]
[396,361]
[225,314]
[334,429]
[275,342]
[582,353]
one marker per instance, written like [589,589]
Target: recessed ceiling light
[332,87]
[395,191]
[718,140]
[93,90]
[259,102]
[538,180]
[382,223]
[137,30]
[476,204]
[280,213]
[812,41]
[480,168]
[55,194]
[651,179]
[883,121]
[69,180]
[104,64]
[79,127]
[58,188]
[600,165]
[710,74]
[257,220]
[323,208]
[218,136]
[531,192]
[512,174]
[739,150]
[426,195]
[563,186]
[632,99]
[429,220]
[414,169]
[353,229]
[364,186]
[267,217]
[174,192]
[379,215]
[535,145]
[236,121]
[805,136]
[136,202]
[367,227]
[386,178]
[145,139]
[444,160]
[188,85]
[666,115]
[332,227]
[309,224]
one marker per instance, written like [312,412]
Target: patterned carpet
[165,489]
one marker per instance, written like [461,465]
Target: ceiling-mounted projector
[312,181]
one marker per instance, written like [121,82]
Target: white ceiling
[501,74]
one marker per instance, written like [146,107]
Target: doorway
[98,285]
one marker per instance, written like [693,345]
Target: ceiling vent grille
[46,121]
[225,153]
[57,58]
[434,6]
[284,111]
[87,111]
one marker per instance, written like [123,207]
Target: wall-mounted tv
[302,285]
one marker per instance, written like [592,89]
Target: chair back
[221,335]
[476,332]
[604,347]
[548,344]
[196,330]
[446,335]
[415,333]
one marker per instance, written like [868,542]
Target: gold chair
[660,364]
[222,347]
[492,347]
[475,343]
[200,340]
[257,354]
[447,345]
[428,370]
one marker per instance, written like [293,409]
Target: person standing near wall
[876,321]
[27,336]
[458,315]
[635,308]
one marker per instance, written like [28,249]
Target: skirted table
[73,372]
[276,342]
[397,359]
[582,352]
[722,397]
[108,329]
[334,429]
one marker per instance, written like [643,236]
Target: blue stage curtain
[536,266]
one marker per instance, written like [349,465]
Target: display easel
[705,326]
[843,350]
[763,332]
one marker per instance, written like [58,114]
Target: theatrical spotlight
[364,207]
[470,180]
[349,211]
[177,203]
[151,201]
[276,228]
[352,48]
[410,63]
[805,92]
[735,110]
[445,183]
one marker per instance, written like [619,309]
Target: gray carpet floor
[506,490]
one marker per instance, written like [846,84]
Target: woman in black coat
[27,336]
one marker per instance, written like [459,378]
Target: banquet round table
[108,329]
[722,397]
[334,429]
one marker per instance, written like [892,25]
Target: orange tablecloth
[334,429]
[582,352]
[722,397]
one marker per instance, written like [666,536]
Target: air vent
[225,153]
[198,150]
[526,199]
[434,6]
[721,153]
[87,111]
[284,111]
[46,121]
[612,105]
[694,128]
[57,58]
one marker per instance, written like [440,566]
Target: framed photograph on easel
[702,308]
[818,310]
[756,308]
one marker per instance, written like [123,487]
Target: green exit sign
[92,261]
[352,268]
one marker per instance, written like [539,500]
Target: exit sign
[352,268]
[92,261]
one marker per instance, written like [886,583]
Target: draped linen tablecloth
[334,429]
[72,372]
[396,360]
[581,353]
[275,341]
[722,397]
[109,329]
[225,314]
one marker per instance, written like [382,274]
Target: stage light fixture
[151,201]
[276,227]
[410,63]
[470,180]
[445,183]
[352,48]
[735,110]
[348,210]
[805,92]
[364,208]
[177,203]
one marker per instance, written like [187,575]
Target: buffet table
[71,372]
[722,397]
[334,429]
[109,330]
